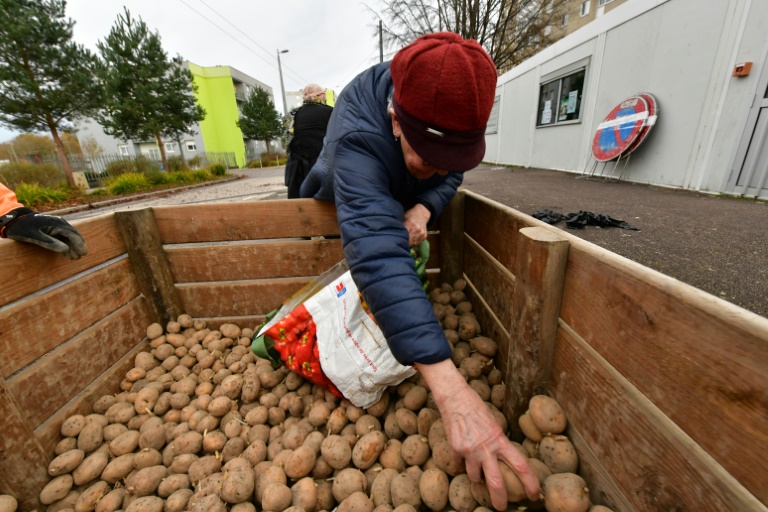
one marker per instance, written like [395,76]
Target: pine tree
[46,79]
[260,120]
[147,95]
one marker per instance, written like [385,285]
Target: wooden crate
[665,386]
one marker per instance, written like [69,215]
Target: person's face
[416,165]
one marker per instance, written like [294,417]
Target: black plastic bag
[581,219]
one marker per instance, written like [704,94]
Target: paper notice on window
[572,98]
[546,114]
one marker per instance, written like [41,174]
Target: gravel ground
[714,243]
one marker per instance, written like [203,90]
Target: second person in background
[309,124]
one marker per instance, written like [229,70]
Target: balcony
[240,96]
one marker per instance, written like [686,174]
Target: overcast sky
[328,41]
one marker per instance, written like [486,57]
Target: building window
[601,3]
[493,120]
[169,147]
[560,99]
[154,154]
[584,10]
[191,146]
[123,149]
[564,21]
[550,6]
[547,30]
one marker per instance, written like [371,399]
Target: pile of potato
[202,424]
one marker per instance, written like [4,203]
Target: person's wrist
[11,217]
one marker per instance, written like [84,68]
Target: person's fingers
[72,238]
[519,464]
[495,483]
[474,470]
[44,241]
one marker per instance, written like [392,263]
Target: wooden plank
[34,268]
[54,379]
[656,465]
[701,360]
[435,260]
[253,260]
[108,383]
[539,278]
[452,238]
[494,283]
[23,459]
[149,263]
[493,225]
[603,489]
[238,298]
[34,326]
[215,222]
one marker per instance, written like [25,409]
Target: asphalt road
[715,243]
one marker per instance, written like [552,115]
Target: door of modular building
[749,175]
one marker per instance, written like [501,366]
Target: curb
[128,199]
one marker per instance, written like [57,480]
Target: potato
[512,483]
[460,494]
[325,500]
[356,502]
[436,433]
[146,504]
[203,467]
[145,481]
[127,442]
[189,442]
[405,490]
[407,421]
[90,468]
[483,345]
[433,488]
[56,489]
[347,482]
[277,497]
[547,414]
[558,454]
[392,456]
[8,503]
[66,462]
[415,450]
[381,487]
[238,483]
[300,462]
[336,451]
[446,460]
[90,437]
[368,448]
[540,469]
[469,327]
[599,508]
[72,426]
[391,428]
[566,492]
[118,468]
[529,428]
[304,494]
[481,494]
[415,398]
[112,501]
[177,502]
[91,496]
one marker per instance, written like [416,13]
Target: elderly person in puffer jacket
[399,138]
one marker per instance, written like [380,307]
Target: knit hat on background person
[313,92]
[444,91]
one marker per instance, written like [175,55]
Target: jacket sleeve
[377,251]
[436,198]
[8,200]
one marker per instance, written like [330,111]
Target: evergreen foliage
[260,120]
[148,96]
[46,79]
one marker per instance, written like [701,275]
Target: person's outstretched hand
[415,221]
[474,434]
[47,231]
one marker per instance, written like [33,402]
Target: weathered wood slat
[494,283]
[149,263]
[33,268]
[253,260]
[256,220]
[54,379]
[690,353]
[108,383]
[23,460]
[452,238]
[238,298]
[656,465]
[42,322]
[494,227]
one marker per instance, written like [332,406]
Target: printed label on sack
[353,351]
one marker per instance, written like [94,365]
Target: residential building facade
[706,68]
[221,91]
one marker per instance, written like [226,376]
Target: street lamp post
[282,87]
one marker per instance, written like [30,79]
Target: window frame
[121,147]
[169,147]
[582,11]
[187,144]
[602,3]
[559,78]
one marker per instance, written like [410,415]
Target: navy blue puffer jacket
[362,168]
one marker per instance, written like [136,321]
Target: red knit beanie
[444,91]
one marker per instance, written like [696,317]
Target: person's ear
[396,131]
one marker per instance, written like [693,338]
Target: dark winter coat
[309,124]
[362,168]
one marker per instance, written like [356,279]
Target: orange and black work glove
[47,231]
